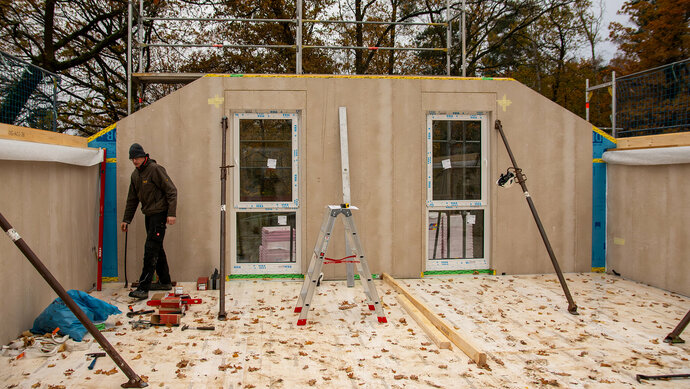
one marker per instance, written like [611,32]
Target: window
[266,193]
[457,193]
[267,157]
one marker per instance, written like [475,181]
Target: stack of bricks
[170,310]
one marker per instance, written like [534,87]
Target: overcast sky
[606,48]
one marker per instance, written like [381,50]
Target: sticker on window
[446,163]
[471,219]
[271,163]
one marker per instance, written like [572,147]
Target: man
[151,186]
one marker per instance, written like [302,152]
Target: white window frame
[459,205]
[268,205]
[484,119]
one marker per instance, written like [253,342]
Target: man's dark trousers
[154,255]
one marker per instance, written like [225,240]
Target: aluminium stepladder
[319,256]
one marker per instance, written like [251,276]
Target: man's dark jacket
[151,186]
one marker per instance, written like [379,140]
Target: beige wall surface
[648,224]
[54,207]
[386,129]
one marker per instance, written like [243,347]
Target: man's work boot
[159,286]
[139,294]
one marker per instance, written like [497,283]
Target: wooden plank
[8,131]
[653,141]
[434,334]
[166,78]
[460,340]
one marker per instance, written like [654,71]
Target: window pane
[264,237]
[456,150]
[456,234]
[265,160]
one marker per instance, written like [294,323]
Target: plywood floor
[519,321]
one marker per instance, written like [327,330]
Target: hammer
[95,357]
[187,327]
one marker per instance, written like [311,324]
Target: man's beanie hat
[136,151]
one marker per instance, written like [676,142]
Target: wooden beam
[654,141]
[460,340]
[436,336]
[8,131]
[166,78]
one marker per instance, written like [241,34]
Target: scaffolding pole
[375,48]
[464,57]
[588,97]
[299,39]
[449,37]
[298,55]
[129,57]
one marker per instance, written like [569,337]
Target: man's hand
[171,220]
[123,226]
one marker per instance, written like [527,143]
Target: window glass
[457,155]
[266,237]
[265,160]
[456,234]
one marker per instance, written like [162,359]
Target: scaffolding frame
[588,95]
[298,46]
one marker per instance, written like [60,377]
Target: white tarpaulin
[654,156]
[17,150]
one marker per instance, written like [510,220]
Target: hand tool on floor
[140,312]
[143,324]
[664,377]
[95,357]
[157,298]
[203,328]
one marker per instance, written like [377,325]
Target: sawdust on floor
[521,322]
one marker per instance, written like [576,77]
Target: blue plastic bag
[57,314]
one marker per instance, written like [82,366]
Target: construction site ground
[520,322]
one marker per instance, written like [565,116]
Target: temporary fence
[28,94]
[653,101]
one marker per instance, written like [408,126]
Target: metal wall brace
[134,380]
[674,336]
[572,307]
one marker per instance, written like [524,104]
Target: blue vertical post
[106,139]
[601,141]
